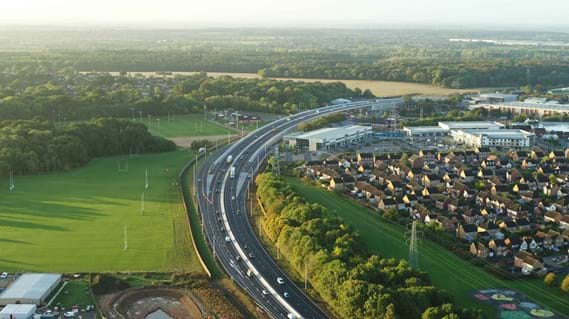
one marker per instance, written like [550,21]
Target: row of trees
[321,122]
[68,95]
[354,283]
[451,74]
[38,147]
[552,280]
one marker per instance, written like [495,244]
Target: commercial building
[18,311]
[445,127]
[471,125]
[425,131]
[532,109]
[494,98]
[494,138]
[328,138]
[30,289]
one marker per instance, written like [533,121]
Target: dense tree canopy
[353,282]
[36,146]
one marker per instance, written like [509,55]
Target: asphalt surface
[223,204]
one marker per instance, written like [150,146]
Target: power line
[413,246]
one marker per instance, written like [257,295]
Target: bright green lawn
[74,221]
[446,270]
[184,125]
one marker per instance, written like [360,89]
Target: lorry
[229,159]
[232,172]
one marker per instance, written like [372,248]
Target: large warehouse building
[532,109]
[328,138]
[30,289]
[18,312]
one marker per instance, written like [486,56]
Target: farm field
[446,270]
[379,88]
[75,221]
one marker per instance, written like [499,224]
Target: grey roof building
[30,289]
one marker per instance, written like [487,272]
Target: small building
[18,311]
[529,264]
[30,289]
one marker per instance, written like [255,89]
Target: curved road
[223,204]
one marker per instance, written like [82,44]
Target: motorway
[223,205]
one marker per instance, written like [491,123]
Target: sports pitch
[79,221]
[184,125]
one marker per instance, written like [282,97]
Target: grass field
[75,292]
[75,221]
[379,88]
[446,270]
[184,125]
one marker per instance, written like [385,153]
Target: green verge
[75,221]
[446,270]
[75,292]
[195,224]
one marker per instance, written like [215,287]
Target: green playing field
[79,221]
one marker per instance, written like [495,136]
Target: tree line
[69,95]
[39,147]
[353,282]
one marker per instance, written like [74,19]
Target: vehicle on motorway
[280,281]
[227,239]
[229,159]
[265,292]
[251,256]
[4,275]
[238,211]
[249,273]
[222,229]
[232,172]
[233,197]
[285,295]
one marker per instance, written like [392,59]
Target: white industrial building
[328,138]
[494,138]
[425,131]
[444,128]
[21,311]
[30,289]
[531,109]
[471,125]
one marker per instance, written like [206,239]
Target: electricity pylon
[413,242]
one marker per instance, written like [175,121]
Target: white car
[233,197]
[285,295]
[280,281]
[265,292]
[4,275]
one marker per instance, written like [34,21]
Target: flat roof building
[494,138]
[23,311]
[328,138]
[425,131]
[444,128]
[532,109]
[494,98]
[30,289]
[471,125]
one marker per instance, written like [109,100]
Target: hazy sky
[284,12]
